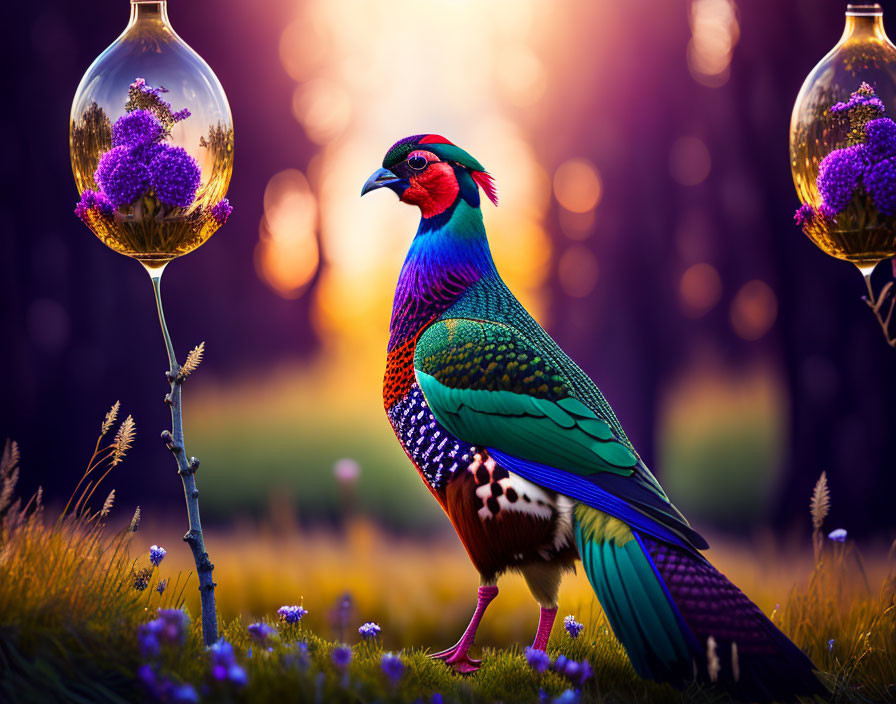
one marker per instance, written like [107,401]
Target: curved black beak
[378,179]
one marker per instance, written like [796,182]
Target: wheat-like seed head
[820,504]
[712,660]
[194,359]
[110,418]
[124,438]
[735,662]
[9,473]
[107,504]
[135,522]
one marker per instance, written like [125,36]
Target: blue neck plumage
[444,260]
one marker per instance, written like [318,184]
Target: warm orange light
[577,271]
[287,256]
[577,185]
[754,310]
[715,31]
[323,108]
[700,289]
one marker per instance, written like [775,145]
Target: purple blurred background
[693,172]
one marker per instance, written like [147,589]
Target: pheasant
[532,467]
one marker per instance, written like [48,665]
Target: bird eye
[417,162]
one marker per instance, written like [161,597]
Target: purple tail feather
[753,659]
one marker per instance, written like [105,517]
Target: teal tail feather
[667,604]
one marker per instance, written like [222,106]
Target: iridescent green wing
[489,386]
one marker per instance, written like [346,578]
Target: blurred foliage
[721,441]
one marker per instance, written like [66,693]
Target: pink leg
[456,656]
[545,624]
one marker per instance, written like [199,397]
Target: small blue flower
[569,696]
[369,630]
[392,667]
[237,676]
[538,660]
[291,614]
[161,586]
[157,554]
[831,645]
[184,694]
[436,699]
[838,535]
[260,632]
[573,627]
[342,656]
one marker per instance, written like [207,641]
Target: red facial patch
[434,139]
[433,190]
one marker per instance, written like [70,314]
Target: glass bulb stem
[186,468]
[863,22]
[149,11]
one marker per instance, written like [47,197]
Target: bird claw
[457,658]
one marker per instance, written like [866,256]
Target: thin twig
[875,303]
[186,468]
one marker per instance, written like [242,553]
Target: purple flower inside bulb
[880,182]
[174,176]
[839,174]
[136,129]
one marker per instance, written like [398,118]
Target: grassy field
[73,627]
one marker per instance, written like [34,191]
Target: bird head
[430,172]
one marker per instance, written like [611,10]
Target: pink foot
[456,656]
[458,659]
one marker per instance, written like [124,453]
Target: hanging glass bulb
[151,140]
[850,213]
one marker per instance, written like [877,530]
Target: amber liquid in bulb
[864,53]
[144,230]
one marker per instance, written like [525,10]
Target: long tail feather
[666,604]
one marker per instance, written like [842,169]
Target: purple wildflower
[572,626]
[161,586]
[291,614]
[831,645]
[392,667]
[880,138]
[224,665]
[538,660]
[436,699]
[184,694]
[136,129]
[221,211]
[370,630]
[839,174]
[880,182]
[147,676]
[93,200]
[157,554]
[803,214]
[108,163]
[838,535]
[298,657]
[342,656]
[260,632]
[174,176]
[568,696]
[181,115]
[141,578]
